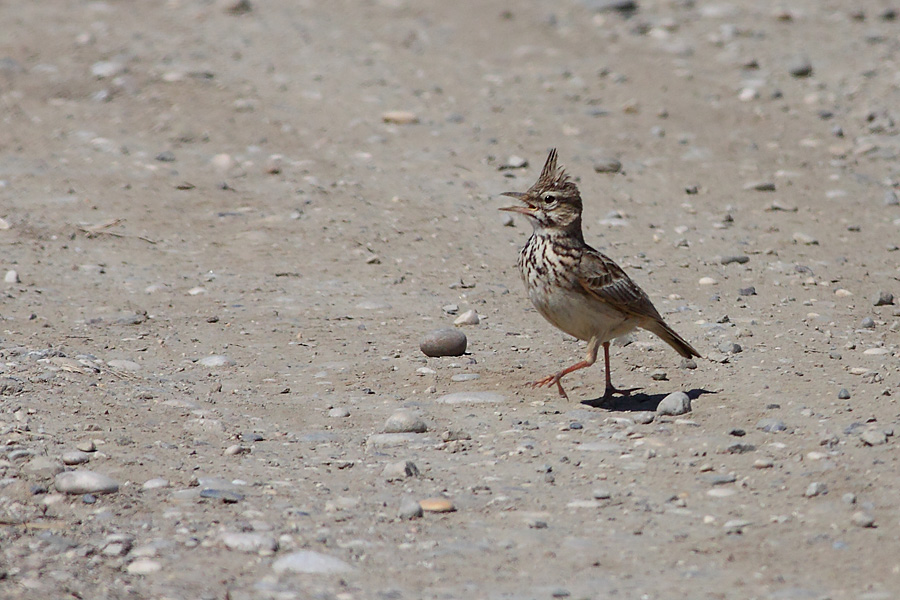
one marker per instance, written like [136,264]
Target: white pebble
[259,543]
[470,317]
[85,482]
[144,566]
[11,277]
[707,281]
[75,457]
[676,403]
[308,561]
[155,484]
[216,360]
[339,412]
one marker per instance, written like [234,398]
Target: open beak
[525,210]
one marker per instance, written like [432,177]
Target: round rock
[85,482]
[676,403]
[339,412]
[404,422]
[444,342]
[249,542]
[75,457]
[409,509]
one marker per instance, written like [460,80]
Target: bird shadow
[637,401]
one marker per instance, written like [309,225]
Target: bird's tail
[668,335]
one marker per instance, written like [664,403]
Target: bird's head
[553,202]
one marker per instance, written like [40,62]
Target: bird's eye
[549,198]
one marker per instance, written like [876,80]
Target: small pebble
[771,425]
[86,446]
[601,494]
[166,156]
[236,449]
[398,471]
[241,541]
[11,276]
[444,342]
[740,259]
[763,463]
[514,162]
[688,363]
[747,291]
[862,519]
[867,323]
[404,421]
[409,509]
[849,498]
[438,505]
[891,199]
[308,561]
[85,482]
[760,186]
[339,412]
[465,377]
[844,394]
[644,417]
[155,484]
[800,67]
[75,457]
[226,496]
[884,299]
[814,489]
[707,281]
[400,117]
[450,309]
[607,165]
[730,348]
[216,360]
[144,566]
[805,239]
[658,375]
[470,317]
[676,403]
[873,437]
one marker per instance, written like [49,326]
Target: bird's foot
[550,380]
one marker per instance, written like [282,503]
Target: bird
[576,288]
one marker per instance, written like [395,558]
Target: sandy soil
[181,180]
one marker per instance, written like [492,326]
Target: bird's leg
[610,389]
[590,359]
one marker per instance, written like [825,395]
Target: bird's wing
[603,279]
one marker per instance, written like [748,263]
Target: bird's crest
[551,174]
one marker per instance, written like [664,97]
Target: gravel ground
[226,227]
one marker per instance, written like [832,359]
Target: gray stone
[644,417]
[144,566]
[75,457]
[339,412]
[155,484]
[308,561]
[816,488]
[800,67]
[873,437]
[884,299]
[216,361]
[85,482]
[601,494]
[843,394]
[410,509]
[123,365]
[243,541]
[471,398]
[771,425]
[398,471]
[867,323]
[470,317]
[735,526]
[117,544]
[404,421]
[459,377]
[226,496]
[607,165]
[444,342]
[760,186]
[862,519]
[676,403]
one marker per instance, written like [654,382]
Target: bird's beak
[525,210]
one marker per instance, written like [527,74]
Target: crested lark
[576,288]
